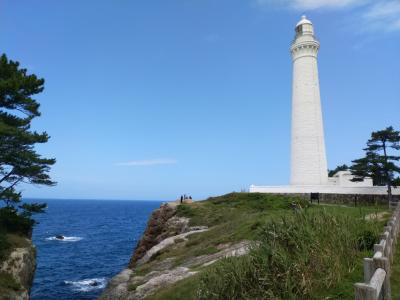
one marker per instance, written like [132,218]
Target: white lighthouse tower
[309,171]
[308,157]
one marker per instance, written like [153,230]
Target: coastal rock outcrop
[20,266]
[165,231]
[157,229]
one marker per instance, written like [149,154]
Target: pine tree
[380,160]
[19,161]
[337,169]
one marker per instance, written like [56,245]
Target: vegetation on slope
[303,251]
[395,276]
[7,283]
[299,257]
[13,229]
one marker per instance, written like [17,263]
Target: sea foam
[86,285]
[65,239]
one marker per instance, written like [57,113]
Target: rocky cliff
[164,255]
[17,272]
[157,230]
[162,225]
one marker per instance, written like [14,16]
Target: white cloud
[383,15]
[396,25]
[148,162]
[383,9]
[311,4]
[372,15]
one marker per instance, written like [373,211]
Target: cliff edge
[166,253]
[17,270]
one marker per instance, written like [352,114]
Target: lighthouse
[309,171]
[308,156]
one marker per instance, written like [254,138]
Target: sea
[99,238]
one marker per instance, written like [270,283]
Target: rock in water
[94,283]
[59,237]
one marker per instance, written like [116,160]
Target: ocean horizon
[43,200]
[99,238]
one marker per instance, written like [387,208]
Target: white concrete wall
[308,155]
[344,179]
[327,189]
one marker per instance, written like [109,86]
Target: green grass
[17,241]
[8,242]
[311,252]
[132,286]
[395,277]
[218,210]
[184,289]
[306,256]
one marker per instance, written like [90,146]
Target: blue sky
[152,99]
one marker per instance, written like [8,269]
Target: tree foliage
[19,161]
[380,161]
[337,169]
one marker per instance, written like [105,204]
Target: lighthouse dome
[303,21]
[304,27]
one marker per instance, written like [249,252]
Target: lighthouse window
[299,29]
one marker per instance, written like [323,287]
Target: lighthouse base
[341,189]
[322,189]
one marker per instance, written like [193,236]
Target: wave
[65,239]
[87,285]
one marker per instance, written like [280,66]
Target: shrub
[8,282]
[4,246]
[258,202]
[184,211]
[12,222]
[366,240]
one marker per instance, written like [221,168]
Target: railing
[376,284]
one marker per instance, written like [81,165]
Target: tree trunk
[388,179]
[390,197]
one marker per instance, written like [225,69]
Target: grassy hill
[300,251]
